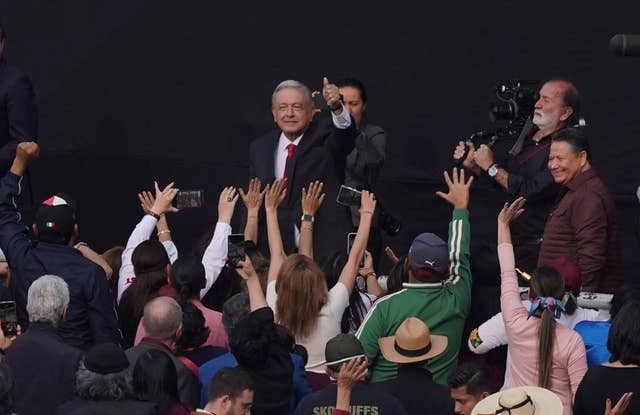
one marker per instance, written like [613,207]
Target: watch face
[493,170]
[361,283]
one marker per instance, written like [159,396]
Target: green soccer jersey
[442,306]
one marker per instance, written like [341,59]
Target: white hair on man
[291,83]
[47,299]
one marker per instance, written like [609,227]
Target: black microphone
[625,45]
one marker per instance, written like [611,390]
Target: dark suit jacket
[44,368]
[320,155]
[18,117]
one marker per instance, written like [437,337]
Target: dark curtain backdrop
[132,91]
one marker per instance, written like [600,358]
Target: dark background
[132,91]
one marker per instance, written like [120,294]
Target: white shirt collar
[284,142]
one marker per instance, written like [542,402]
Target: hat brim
[335,362]
[438,345]
[545,402]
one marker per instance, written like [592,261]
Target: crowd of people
[289,323]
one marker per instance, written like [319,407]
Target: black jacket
[44,368]
[91,316]
[320,155]
[417,391]
[18,118]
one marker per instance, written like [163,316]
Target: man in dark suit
[43,365]
[303,150]
[18,116]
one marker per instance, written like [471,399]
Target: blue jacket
[91,316]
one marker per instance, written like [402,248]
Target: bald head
[162,318]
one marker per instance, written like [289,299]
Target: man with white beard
[524,172]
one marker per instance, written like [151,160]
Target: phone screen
[236,250]
[348,196]
[9,318]
[189,199]
[351,237]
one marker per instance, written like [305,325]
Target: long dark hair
[194,329]
[357,309]
[187,277]
[149,264]
[113,256]
[623,341]
[155,379]
[546,282]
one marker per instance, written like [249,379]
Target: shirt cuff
[342,121]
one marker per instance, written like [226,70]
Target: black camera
[388,222]
[516,101]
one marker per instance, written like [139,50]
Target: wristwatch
[308,218]
[492,170]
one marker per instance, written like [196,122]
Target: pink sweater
[569,357]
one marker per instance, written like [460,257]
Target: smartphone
[9,318]
[236,251]
[351,237]
[189,199]
[348,196]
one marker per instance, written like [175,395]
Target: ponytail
[546,337]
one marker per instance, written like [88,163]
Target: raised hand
[458,194]
[245,268]
[368,264]
[391,254]
[511,212]
[227,204]
[458,153]
[312,199]
[367,202]
[275,195]
[162,203]
[27,151]
[253,198]
[621,405]
[331,94]
[146,201]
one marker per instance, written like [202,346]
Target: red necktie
[290,149]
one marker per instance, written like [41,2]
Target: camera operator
[524,171]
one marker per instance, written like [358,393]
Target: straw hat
[413,342]
[524,400]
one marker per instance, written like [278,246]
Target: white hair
[290,83]
[47,298]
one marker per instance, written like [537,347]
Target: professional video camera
[516,101]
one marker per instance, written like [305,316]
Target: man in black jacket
[303,151]
[91,317]
[411,347]
[43,365]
